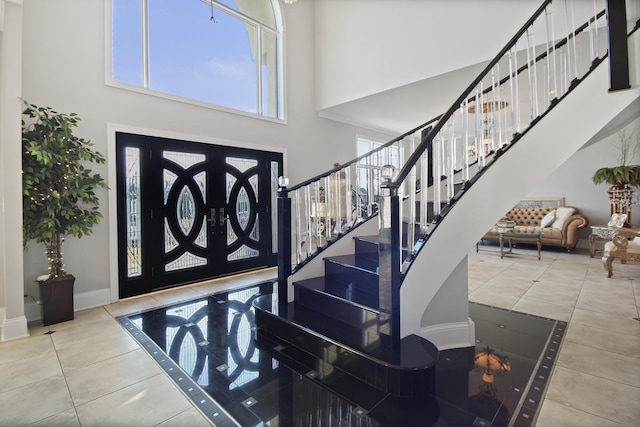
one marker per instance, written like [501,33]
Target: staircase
[341,286]
[336,319]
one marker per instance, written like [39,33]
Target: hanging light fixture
[487,108]
[491,364]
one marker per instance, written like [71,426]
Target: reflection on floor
[501,380]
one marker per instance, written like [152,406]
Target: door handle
[222,218]
[212,217]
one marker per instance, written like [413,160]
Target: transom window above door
[225,53]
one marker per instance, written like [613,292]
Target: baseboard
[81,301]
[14,328]
[451,335]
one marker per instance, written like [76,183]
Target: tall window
[221,52]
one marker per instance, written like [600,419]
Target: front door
[190,211]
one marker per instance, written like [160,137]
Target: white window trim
[282,110]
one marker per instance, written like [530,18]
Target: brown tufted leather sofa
[528,221]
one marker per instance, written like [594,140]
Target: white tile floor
[91,373]
[596,381]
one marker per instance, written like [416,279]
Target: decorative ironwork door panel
[190,211]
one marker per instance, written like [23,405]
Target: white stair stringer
[434,295]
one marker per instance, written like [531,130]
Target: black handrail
[415,156]
[429,137]
[357,159]
[429,132]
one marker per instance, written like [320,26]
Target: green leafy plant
[58,191]
[620,175]
[628,146]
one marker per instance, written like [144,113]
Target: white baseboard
[92,299]
[451,335]
[14,328]
[81,301]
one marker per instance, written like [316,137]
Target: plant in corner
[58,197]
[624,176]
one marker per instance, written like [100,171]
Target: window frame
[278,32]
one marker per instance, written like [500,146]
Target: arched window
[221,52]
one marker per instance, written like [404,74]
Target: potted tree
[623,177]
[58,197]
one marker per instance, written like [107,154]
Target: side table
[603,232]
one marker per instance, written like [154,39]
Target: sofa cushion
[548,219]
[562,214]
[527,229]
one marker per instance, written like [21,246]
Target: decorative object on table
[58,198]
[624,176]
[505,224]
[617,220]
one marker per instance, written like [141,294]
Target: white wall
[364,47]
[573,181]
[64,67]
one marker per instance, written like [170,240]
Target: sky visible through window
[189,54]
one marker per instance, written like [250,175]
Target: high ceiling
[399,110]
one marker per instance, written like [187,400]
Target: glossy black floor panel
[209,348]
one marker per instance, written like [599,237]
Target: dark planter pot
[56,297]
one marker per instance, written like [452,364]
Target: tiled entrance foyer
[90,371]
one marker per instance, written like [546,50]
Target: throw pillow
[548,219]
[562,214]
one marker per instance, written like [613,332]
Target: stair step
[345,302]
[351,260]
[338,381]
[366,251]
[367,244]
[350,271]
[360,351]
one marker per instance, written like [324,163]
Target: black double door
[190,211]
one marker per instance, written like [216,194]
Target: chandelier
[487,108]
[491,364]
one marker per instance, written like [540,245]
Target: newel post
[618,45]
[284,244]
[389,252]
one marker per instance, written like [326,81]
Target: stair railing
[419,175]
[538,67]
[315,213]
[329,205]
